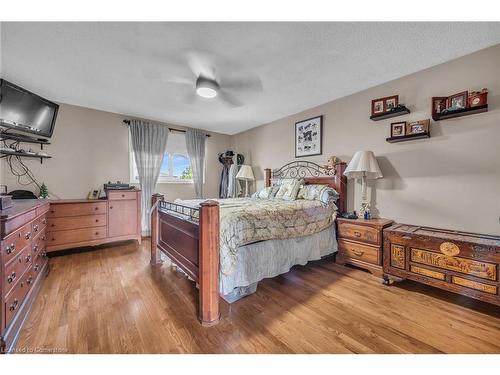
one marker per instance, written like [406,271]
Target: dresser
[460,262]
[23,263]
[77,223]
[360,243]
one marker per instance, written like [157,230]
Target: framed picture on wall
[308,137]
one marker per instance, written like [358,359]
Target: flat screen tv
[23,110]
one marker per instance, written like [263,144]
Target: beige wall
[90,147]
[451,180]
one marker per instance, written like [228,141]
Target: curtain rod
[171,129]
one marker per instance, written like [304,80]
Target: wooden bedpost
[155,225]
[209,263]
[268,177]
[341,186]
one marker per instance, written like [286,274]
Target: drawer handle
[357,234]
[28,235]
[96,220]
[11,278]
[13,306]
[52,225]
[52,211]
[358,253]
[35,227]
[96,208]
[11,248]
[123,195]
[96,233]
[110,207]
[28,259]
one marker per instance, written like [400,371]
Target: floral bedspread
[247,220]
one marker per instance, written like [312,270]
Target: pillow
[322,193]
[266,192]
[288,189]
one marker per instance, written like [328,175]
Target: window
[175,168]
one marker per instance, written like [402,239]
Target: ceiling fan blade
[242,83]
[180,81]
[201,65]
[230,99]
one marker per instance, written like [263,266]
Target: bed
[227,246]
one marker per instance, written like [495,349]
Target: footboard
[190,238]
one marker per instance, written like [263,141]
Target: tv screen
[22,110]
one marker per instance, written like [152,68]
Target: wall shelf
[410,137]
[460,113]
[24,155]
[400,112]
[20,138]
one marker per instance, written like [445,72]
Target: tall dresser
[23,262]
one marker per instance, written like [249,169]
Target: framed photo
[457,101]
[383,105]
[438,104]
[418,127]
[398,129]
[391,102]
[308,137]
[478,98]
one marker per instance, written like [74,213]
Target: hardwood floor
[112,301]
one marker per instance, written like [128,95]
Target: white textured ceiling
[301,65]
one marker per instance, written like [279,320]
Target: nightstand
[360,243]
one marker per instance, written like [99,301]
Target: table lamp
[363,165]
[245,173]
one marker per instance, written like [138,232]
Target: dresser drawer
[39,224]
[121,195]
[15,269]
[76,235]
[359,251]
[15,298]
[15,242]
[39,243]
[77,222]
[360,233]
[38,263]
[77,209]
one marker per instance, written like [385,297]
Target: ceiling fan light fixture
[206,88]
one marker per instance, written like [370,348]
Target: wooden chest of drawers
[78,223]
[360,243]
[461,262]
[23,261]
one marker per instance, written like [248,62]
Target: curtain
[195,144]
[148,143]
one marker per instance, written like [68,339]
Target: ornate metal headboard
[312,173]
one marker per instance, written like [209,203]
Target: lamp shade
[363,163]
[245,173]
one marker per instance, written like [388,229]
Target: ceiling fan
[213,78]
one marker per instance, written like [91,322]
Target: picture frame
[457,101]
[309,137]
[94,194]
[398,129]
[384,105]
[418,127]
[439,103]
[478,98]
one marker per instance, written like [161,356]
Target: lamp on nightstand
[363,165]
[245,173]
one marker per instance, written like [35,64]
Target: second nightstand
[360,243]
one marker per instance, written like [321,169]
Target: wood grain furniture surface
[79,222]
[360,243]
[461,262]
[23,261]
[321,307]
[190,236]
